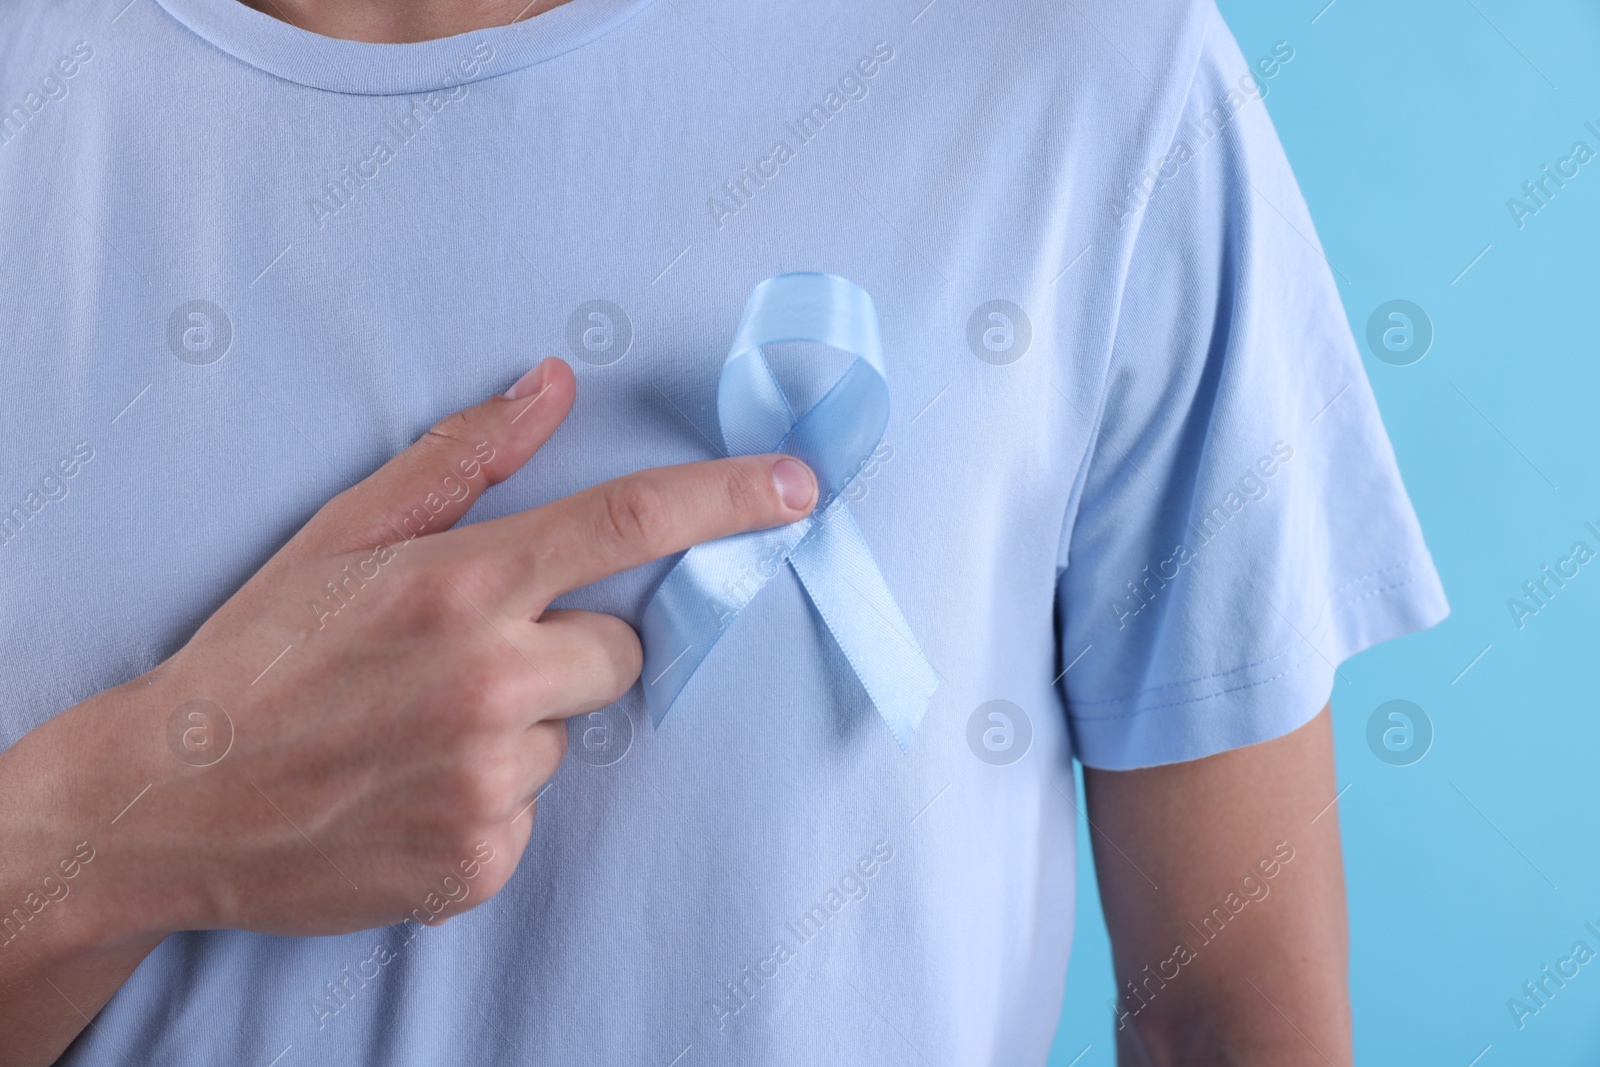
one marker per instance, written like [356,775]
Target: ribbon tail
[698,600]
[847,588]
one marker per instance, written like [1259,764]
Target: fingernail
[794,482]
[527,384]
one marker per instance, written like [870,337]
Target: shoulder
[1135,48]
[1106,80]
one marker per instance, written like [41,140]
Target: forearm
[75,916]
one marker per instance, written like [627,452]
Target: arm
[1238,954]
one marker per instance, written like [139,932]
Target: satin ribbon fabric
[713,582]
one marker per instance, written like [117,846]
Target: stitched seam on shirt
[1208,696]
[1246,685]
[1373,574]
[1238,688]
[1321,621]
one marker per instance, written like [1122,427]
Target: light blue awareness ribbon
[713,582]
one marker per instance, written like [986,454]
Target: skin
[400,21]
[409,736]
[1272,985]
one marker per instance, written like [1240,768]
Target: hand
[396,704]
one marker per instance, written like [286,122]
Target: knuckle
[745,495]
[503,782]
[450,432]
[637,512]
[491,694]
[349,519]
[489,876]
[443,594]
[339,520]
[466,799]
[482,791]
[549,745]
[622,648]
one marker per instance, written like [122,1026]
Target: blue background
[1409,126]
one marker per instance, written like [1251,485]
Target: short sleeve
[1240,526]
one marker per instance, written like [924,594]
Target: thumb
[428,487]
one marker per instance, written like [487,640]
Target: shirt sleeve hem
[1278,696]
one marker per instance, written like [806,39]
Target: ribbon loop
[713,582]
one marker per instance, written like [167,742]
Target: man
[284,721]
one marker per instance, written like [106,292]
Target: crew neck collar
[368,69]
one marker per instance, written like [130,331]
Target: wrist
[106,853]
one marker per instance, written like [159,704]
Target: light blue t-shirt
[1134,500]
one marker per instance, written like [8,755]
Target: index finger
[628,521]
